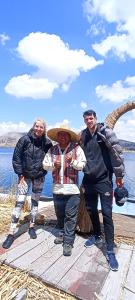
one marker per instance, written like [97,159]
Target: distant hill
[10,139]
[126,145]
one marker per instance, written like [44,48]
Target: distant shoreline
[130,151]
[124,150]
[7,146]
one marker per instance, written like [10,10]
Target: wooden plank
[2,237]
[43,263]
[129,290]
[112,287]
[18,242]
[23,238]
[63,264]
[22,295]
[87,274]
[18,251]
[128,294]
[2,252]
[26,261]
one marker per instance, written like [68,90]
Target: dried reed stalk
[13,280]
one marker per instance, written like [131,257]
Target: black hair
[89,113]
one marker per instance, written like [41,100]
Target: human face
[91,122]
[39,129]
[63,139]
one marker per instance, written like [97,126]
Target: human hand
[57,164]
[69,158]
[119,182]
[21,179]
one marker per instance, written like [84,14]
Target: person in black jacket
[104,157]
[27,163]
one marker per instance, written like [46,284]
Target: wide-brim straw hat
[53,134]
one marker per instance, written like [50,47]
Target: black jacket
[29,154]
[103,153]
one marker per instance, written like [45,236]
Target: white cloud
[28,86]
[118,92]
[6,127]
[121,45]
[83,104]
[57,66]
[65,124]
[4,38]
[122,15]
[125,129]
[96,29]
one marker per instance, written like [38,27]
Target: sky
[60,58]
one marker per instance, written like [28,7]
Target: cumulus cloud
[57,66]
[28,86]
[65,124]
[6,127]
[4,38]
[118,92]
[125,128]
[121,45]
[83,104]
[121,14]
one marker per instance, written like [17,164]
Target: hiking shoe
[94,240]
[58,240]
[67,249]
[8,241]
[112,261]
[32,233]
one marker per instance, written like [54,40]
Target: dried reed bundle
[13,280]
[6,207]
[126,240]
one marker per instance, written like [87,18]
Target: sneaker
[58,240]
[112,261]
[94,240]
[8,241]
[67,249]
[32,233]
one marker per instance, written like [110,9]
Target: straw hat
[52,134]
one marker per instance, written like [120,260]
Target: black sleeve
[48,145]
[17,156]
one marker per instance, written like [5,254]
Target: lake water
[8,178]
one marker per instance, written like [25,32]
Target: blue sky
[60,58]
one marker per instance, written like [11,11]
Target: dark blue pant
[105,191]
[66,208]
